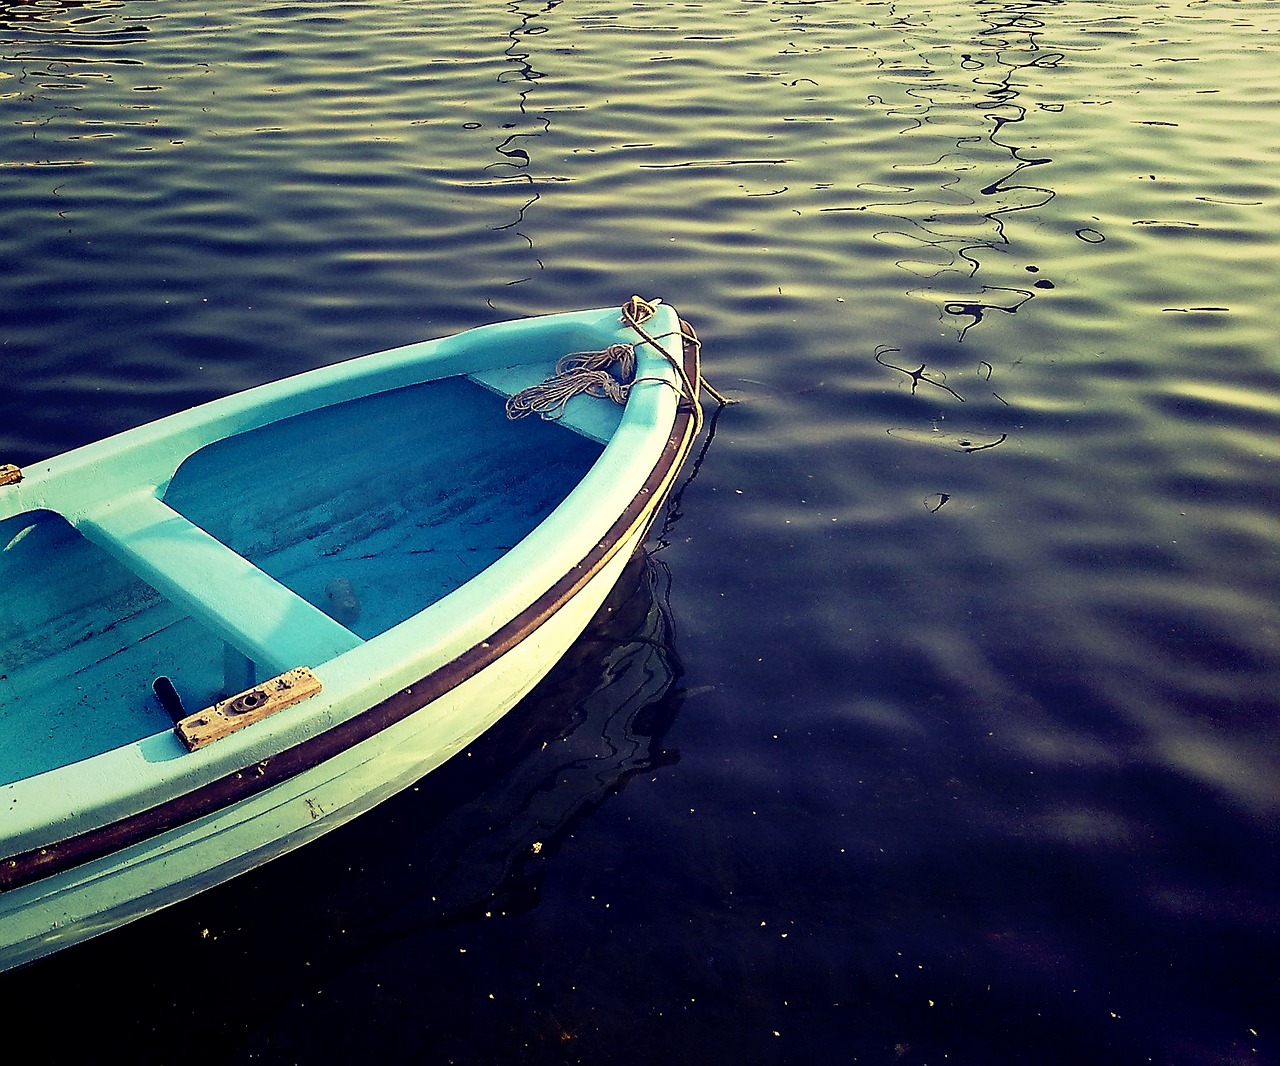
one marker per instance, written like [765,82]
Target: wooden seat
[255,614]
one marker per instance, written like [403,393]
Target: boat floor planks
[369,551]
[441,507]
[76,660]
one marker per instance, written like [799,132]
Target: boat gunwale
[47,860]
[58,483]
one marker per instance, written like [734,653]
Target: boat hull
[98,839]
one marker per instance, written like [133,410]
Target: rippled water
[971,754]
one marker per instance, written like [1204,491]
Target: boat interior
[281,546]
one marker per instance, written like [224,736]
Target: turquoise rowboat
[225,633]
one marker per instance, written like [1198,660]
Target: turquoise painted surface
[78,652]
[371,510]
[975,591]
[411,494]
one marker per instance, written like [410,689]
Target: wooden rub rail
[245,708]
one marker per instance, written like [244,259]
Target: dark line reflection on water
[1004,50]
[517,157]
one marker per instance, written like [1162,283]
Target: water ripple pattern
[975,590]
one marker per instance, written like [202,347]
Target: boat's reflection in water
[476,833]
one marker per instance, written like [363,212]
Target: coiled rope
[609,373]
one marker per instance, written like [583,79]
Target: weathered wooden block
[245,708]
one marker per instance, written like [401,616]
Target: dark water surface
[948,715]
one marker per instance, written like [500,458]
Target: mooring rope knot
[635,312]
